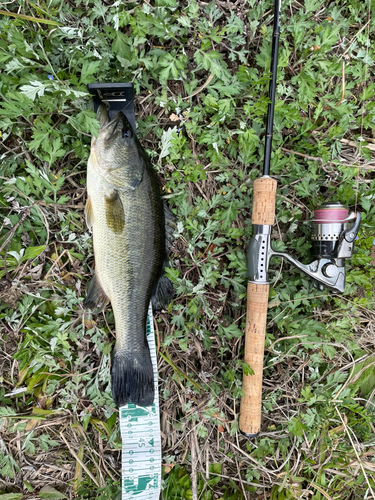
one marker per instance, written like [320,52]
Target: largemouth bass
[125,212]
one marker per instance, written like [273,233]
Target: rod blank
[272,88]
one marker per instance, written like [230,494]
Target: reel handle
[263,213]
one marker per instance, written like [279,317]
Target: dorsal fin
[170,226]
[163,293]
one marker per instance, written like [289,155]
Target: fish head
[116,143]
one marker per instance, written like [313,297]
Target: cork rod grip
[264,201]
[256,318]
[250,411]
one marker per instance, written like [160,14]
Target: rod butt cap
[246,434]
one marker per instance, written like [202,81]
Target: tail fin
[132,378]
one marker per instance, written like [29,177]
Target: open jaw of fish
[125,212]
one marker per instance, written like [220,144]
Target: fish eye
[126,134]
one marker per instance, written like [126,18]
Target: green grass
[200,72]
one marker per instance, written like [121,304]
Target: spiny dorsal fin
[89,215]
[170,226]
[95,299]
[114,212]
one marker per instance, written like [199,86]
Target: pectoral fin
[95,299]
[114,212]
[89,215]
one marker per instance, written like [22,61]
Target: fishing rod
[333,235]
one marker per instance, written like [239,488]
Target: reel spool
[330,220]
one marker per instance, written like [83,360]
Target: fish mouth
[119,126]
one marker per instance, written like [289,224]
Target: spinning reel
[333,235]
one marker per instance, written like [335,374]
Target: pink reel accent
[331,214]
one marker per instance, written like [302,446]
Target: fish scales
[120,259]
[125,212]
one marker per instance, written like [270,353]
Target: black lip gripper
[119,97]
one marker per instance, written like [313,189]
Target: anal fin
[95,299]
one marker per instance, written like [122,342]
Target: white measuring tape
[141,441]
